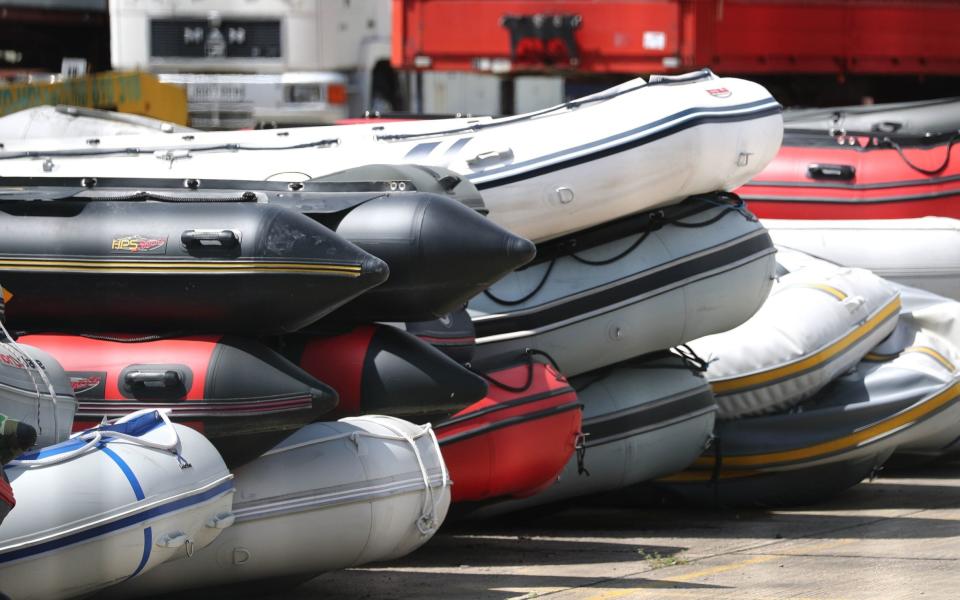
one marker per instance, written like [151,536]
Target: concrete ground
[895,537]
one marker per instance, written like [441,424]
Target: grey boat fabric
[906,118]
[818,322]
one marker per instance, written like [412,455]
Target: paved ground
[895,537]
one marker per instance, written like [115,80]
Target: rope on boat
[943,165]
[727,201]
[655,80]
[94,437]
[527,353]
[427,522]
[133,150]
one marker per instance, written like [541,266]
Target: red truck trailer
[756,37]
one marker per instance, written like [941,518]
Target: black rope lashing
[946,159]
[580,447]
[172,198]
[691,359]
[615,258]
[534,292]
[528,354]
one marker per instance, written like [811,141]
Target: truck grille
[198,38]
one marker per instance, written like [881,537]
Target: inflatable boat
[515,441]
[378,369]
[641,419]
[631,287]
[905,394]
[543,174]
[173,266]
[63,121]
[109,505]
[922,253]
[240,394]
[331,496]
[816,177]
[928,329]
[819,321]
[923,118]
[439,253]
[35,389]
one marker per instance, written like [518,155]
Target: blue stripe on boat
[107,528]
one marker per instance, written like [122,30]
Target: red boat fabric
[818,178]
[379,369]
[97,368]
[339,361]
[517,440]
[6,496]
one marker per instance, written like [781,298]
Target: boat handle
[489,158]
[225,238]
[836,172]
[167,379]
[221,520]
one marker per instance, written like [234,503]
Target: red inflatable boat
[817,176]
[515,441]
[380,369]
[242,395]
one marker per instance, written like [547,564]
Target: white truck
[252,63]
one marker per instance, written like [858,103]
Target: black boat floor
[895,537]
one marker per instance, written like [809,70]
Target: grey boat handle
[167,379]
[834,172]
[225,238]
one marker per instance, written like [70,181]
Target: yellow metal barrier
[134,93]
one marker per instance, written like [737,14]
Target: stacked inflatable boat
[488,305]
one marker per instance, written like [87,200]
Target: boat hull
[162,266]
[355,481]
[813,177]
[641,420]
[678,284]
[515,441]
[241,395]
[110,514]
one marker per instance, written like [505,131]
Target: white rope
[427,523]
[94,437]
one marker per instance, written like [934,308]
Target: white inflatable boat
[35,389]
[641,420]
[818,322]
[926,345]
[635,286]
[110,504]
[40,122]
[904,396]
[331,496]
[922,253]
[632,148]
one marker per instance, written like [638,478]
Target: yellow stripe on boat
[730,386]
[853,440]
[86,266]
[836,293]
[943,360]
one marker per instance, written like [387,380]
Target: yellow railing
[134,93]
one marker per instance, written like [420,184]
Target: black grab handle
[168,379]
[834,172]
[225,238]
